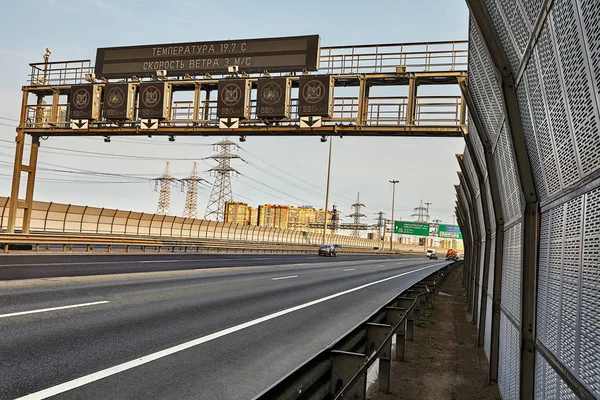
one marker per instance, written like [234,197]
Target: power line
[295,177]
[302,201]
[84,153]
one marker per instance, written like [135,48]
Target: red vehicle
[452,255]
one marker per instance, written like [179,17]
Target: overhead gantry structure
[366,90]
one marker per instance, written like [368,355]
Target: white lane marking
[349,269]
[379,266]
[285,277]
[96,376]
[52,309]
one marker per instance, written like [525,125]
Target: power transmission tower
[164,197]
[421,213]
[380,223]
[357,215]
[335,219]
[191,198]
[221,191]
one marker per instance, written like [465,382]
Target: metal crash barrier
[340,371]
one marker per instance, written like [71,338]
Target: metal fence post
[376,337]
[401,342]
[344,365]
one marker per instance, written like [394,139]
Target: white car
[429,253]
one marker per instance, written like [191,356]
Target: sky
[292,170]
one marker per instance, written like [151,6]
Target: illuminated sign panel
[233,101]
[84,102]
[315,96]
[273,97]
[296,53]
[118,101]
[154,100]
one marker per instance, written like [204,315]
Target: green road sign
[411,228]
[450,231]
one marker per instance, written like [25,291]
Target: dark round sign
[271,93]
[115,97]
[150,96]
[313,91]
[81,98]
[231,94]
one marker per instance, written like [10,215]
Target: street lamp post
[426,219]
[327,192]
[393,182]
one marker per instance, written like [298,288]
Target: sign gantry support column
[19,167]
[411,110]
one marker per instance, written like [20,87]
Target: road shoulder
[443,362]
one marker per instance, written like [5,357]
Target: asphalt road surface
[180,326]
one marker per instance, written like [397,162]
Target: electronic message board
[289,54]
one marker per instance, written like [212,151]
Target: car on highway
[429,252]
[433,256]
[328,250]
[451,254]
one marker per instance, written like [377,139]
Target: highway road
[180,326]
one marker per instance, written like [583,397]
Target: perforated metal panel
[492,264]
[481,277]
[479,151]
[504,34]
[488,323]
[542,291]
[490,207]
[483,85]
[590,21]
[589,360]
[570,282]
[560,124]
[487,338]
[532,9]
[510,190]
[555,223]
[541,129]
[531,140]
[471,172]
[519,26]
[512,272]
[574,69]
[509,366]
[548,384]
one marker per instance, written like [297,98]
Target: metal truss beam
[331,130]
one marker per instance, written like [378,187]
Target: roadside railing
[340,371]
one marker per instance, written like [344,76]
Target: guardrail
[340,371]
[67,241]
